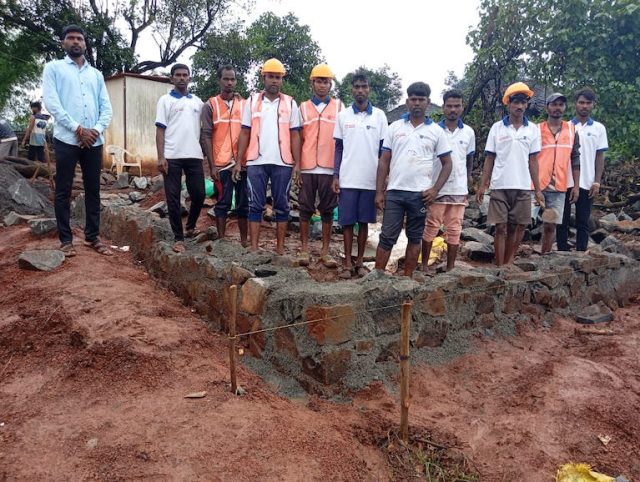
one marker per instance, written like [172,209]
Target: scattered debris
[605,439]
[196,395]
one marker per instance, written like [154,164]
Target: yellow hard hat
[321,70]
[517,88]
[273,66]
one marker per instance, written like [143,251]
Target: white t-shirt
[414,154]
[593,139]
[512,148]
[269,152]
[463,143]
[361,133]
[180,117]
[319,169]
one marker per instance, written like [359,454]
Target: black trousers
[194,174]
[67,156]
[583,212]
[36,153]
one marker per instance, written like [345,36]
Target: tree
[269,36]
[386,87]
[114,29]
[558,46]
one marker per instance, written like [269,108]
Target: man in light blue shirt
[76,95]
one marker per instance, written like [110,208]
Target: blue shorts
[398,204]
[257,179]
[356,206]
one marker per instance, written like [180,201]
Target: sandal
[329,261]
[99,246]
[68,250]
[191,233]
[303,258]
[179,247]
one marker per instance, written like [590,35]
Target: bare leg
[221,225]
[281,231]
[411,258]
[382,258]
[347,235]
[363,232]
[499,242]
[426,251]
[514,237]
[304,236]
[254,228]
[548,233]
[452,253]
[243,226]
[326,236]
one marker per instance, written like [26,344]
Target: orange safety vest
[284,135]
[226,129]
[318,144]
[554,160]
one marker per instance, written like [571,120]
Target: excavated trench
[353,338]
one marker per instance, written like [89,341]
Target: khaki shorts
[510,206]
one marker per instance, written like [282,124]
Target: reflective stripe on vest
[284,123]
[318,144]
[554,160]
[226,129]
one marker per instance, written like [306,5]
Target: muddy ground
[96,359]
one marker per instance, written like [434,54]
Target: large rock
[123,181]
[477,251]
[140,183]
[475,234]
[17,194]
[42,226]
[612,244]
[41,260]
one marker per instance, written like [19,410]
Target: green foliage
[386,87]
[561,46]
[269,36]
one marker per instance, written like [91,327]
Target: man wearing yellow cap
[317,162]
[510,168]
[270,140]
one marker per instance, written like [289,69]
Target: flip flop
[303,258]
[329,261]
[99,246]
[68,250]
[179,247]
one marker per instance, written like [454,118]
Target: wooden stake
[405,368]
[233,292]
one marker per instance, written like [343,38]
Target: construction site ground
[96,359]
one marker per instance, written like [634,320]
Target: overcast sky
[420,40]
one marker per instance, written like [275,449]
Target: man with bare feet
[270,141]
[510,168]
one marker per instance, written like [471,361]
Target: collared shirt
[463,143]
[320,105]
[75,96]
[361,134]
[414,153]
[269,139]
[593,139]
[179,116]
[512,148]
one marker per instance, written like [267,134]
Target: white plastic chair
[118,159]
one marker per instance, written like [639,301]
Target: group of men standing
[415,170]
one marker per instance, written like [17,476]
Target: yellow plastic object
[438,248]
[517,88]
[273,66]
[580,473]
[321,70]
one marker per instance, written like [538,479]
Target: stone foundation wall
[357,339]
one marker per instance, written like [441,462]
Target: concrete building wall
[134,99]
